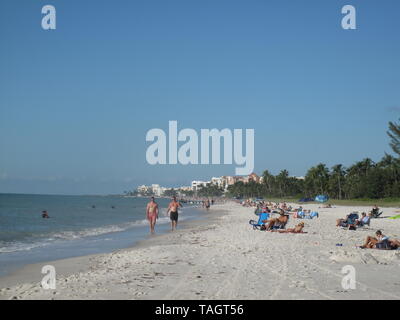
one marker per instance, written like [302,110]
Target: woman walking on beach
[152,213]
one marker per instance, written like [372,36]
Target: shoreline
[31,272]
[222,257]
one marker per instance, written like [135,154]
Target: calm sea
[78,225]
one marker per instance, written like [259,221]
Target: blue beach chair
[350,221]
[257,224]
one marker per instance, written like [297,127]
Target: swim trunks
[152,216]
[173,215]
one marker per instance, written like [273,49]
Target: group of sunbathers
[380,241]
[277,224]
[352,221]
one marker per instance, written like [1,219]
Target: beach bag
[314,214]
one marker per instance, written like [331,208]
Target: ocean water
[78,225]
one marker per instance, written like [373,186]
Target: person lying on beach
[279,222]
[296,229]
[339,222]
[326,206]
[380,242]
[349,222]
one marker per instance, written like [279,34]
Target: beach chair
[257,224]
[300,214]
[350,221]
[306,215]
[314,214]
[365,223]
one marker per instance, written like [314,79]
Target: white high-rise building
[197,184]
[156,189]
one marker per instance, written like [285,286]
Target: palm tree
[268,181]
[338,172]
[282,179]
[394,134]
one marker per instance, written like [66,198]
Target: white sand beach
[224,258]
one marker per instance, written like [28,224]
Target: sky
[76,102]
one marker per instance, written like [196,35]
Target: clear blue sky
[76,102]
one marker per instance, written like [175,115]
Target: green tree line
[364,179]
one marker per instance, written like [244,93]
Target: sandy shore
[223,258]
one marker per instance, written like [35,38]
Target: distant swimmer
[45,215]
[173,212]
[152,214]
[93,206]
[112,207]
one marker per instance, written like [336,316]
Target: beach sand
[222,257]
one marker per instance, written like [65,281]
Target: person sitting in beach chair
[263,216]
[375,212]
[277,223]
[349,222]
[296,229]
[381,242]
[364,221]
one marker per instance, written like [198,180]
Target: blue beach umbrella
[321,198]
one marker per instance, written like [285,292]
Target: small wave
[49,238]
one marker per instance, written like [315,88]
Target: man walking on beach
[152,213]
[173,212]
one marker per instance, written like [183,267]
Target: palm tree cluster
[210,190]
[364,179]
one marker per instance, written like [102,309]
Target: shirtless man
[173,212]
[280,221]
[152,214]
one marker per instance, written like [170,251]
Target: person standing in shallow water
[152,214]
[207,203]
[173,212]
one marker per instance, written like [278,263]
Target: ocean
[78,225]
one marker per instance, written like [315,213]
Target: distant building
[253,177]
[217,181]
[157,190]
[198,184]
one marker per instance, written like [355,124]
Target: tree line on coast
[363,179]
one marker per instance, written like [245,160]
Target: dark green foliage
[211,190]
[364,179]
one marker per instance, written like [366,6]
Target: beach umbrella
[321,198]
